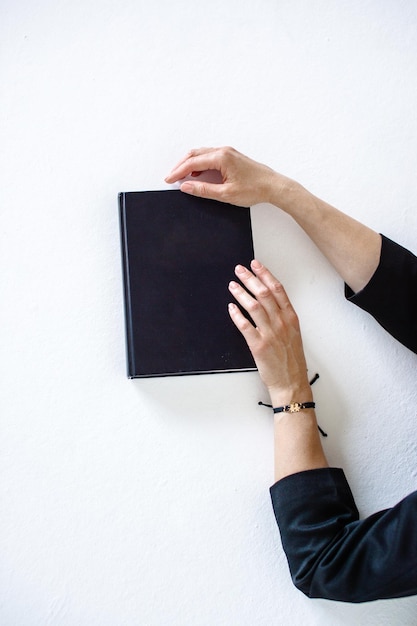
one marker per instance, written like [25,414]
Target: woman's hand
[244,182]
[276,345]
[275,339]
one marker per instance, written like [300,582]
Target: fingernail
[233,285]
[239,269]
[256,265]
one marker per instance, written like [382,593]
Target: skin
[275,338]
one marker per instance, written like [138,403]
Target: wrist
[283,397]
[287,194]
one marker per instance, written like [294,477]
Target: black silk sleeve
[334,555]
[391,294]
[331,553]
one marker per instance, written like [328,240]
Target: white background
[146,502]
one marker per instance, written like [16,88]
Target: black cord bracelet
[296,407]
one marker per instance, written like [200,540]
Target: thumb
[201,189]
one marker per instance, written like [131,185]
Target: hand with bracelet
[275,341]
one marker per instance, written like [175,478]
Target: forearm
[297,444]
[351,247]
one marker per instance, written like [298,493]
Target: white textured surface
[146,502]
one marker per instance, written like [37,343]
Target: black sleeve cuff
[391,294]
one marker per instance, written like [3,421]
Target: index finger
[199,160]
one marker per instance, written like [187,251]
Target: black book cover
[179,253]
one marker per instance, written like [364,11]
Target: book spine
[130,361]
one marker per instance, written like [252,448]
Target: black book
[179,253]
